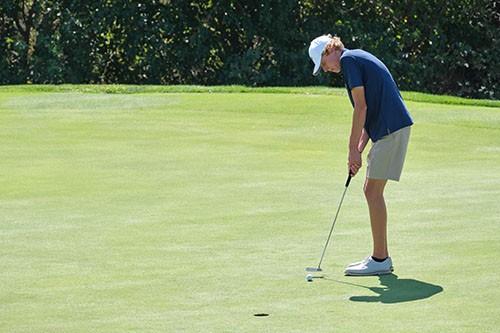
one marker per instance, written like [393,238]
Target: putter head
[314,269]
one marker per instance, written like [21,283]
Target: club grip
[348,179]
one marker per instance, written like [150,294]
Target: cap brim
[317,68]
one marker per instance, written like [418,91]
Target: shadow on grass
[394,290]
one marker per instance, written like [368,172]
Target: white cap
[316,49]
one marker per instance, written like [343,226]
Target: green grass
[158,211]
[134,89]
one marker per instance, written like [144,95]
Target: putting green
[199,211]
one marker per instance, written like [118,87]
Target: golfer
[380,115]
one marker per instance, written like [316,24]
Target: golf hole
[261,315]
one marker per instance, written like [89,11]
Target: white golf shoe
[360,262]
[370,267]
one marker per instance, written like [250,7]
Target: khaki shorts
[387,156]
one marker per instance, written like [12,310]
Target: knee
[373,193]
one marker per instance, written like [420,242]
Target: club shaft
[333,224]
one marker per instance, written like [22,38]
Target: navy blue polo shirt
[386,112]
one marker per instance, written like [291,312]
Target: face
[331,62]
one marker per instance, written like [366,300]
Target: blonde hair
[335,44]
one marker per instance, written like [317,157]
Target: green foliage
[440,47]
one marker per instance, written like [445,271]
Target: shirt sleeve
[351,71]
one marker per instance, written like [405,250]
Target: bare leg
[374,193]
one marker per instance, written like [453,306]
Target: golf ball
[309,277]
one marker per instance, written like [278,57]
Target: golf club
[318,269]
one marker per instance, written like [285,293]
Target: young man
[380,115]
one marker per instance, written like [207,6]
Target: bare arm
[358,122]
[363,141]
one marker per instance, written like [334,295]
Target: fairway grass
[196,211]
